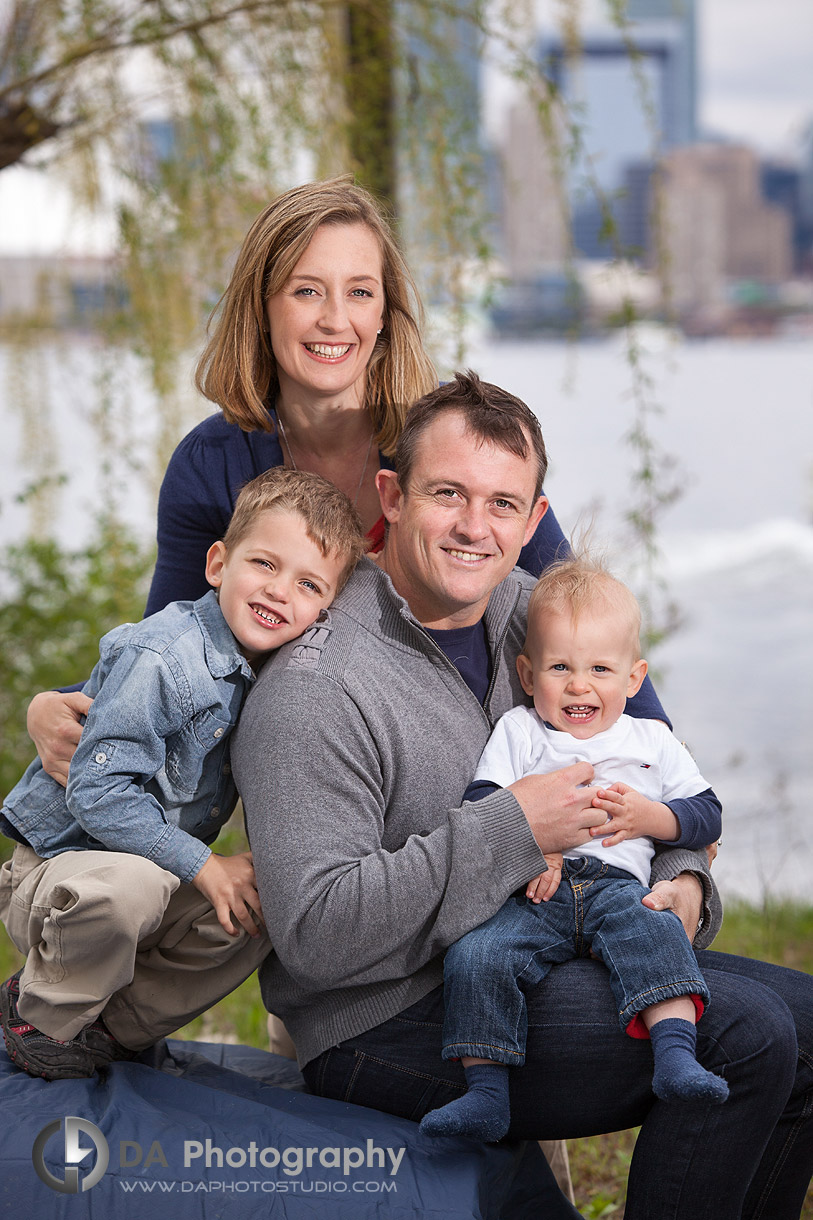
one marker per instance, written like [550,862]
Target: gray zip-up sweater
[351,757]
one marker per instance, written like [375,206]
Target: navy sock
[483,1113]
[678,1076]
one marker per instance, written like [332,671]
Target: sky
[756,70]
[756,86]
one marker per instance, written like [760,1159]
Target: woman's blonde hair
[237,369]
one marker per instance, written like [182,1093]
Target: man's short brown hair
[490,413]
[330,519]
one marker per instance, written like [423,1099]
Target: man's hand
[543,887]
[684,896]
[55,726]
[558,806]
[631,815]
[230,885]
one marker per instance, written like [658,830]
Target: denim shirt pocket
[187,751]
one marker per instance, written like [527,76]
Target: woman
[314,358]
[315,355]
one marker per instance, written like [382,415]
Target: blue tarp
[204,1130]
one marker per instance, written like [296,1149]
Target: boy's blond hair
[330,519]
[582,583]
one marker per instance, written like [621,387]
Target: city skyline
[754,72]
[754,87]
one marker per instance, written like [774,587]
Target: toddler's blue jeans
[487,972]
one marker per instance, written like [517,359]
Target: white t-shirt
[640,753]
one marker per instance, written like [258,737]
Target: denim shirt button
[227,768]
[218,732]
[215,812]
[100,758]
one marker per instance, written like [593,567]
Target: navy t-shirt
[467,649]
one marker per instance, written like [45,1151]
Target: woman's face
[325,320]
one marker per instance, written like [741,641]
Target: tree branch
[107,44]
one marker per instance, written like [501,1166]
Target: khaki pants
[112,933]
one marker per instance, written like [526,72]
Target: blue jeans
[487,972]
[749,1159]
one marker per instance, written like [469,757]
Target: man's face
[457,529]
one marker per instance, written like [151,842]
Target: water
[737,678]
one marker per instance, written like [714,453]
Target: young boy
[581,661]
[113,892]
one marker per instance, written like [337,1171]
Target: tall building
[675,20]
[629,106]
[534,205]
[718,227]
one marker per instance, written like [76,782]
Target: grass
[780,932]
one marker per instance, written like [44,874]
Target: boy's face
[580,674]
[273,583]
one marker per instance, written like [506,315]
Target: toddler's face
[581,673]
[273,583]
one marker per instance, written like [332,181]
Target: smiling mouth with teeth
[466,556]
[579,711]
[273,619]
[328,351]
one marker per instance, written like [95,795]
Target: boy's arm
[141,703]
[231,887]
[688,815]
[631,815]
[700,819]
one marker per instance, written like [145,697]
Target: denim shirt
[151,775]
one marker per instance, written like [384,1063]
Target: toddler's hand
[543,887]
[230,885]
[630,815]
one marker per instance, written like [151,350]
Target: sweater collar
[370,597]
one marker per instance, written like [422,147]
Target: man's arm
[54,724]
[343,902]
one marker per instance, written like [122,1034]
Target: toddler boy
[581,661]
[126,916]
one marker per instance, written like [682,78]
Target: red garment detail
[374,538]
[637,1029]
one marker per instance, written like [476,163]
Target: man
[351,758]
